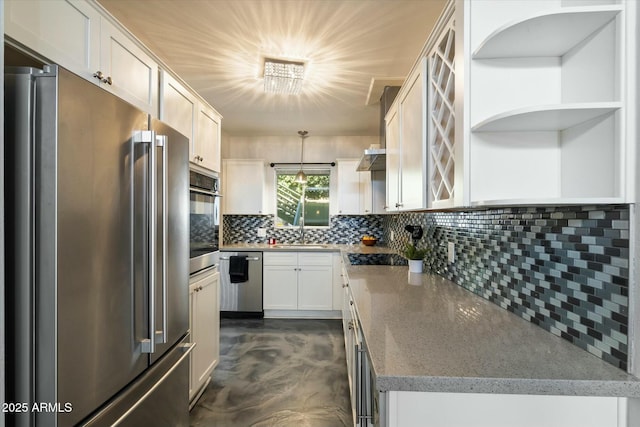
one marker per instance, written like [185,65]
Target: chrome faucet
[302,230]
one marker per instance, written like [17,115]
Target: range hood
[375,158]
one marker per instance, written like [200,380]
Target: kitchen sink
[299,246]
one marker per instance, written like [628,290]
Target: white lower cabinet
[204,322]
[415,409]
[298,281]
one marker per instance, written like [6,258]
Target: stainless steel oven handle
[205,192]
[206,270]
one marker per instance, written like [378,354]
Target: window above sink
[295,201]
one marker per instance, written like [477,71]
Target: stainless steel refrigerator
[97,257]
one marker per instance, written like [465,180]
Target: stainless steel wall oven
[204,217]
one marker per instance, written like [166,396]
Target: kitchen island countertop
[435,336]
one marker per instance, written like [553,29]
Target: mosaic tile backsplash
[565,269]
[343,230]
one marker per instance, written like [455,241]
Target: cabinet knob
[100,76]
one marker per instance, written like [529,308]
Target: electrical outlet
[392,236]
[262,232]
[451,252]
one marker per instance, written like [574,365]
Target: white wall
[286,149]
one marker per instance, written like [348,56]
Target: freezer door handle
[161,142]
[186,349]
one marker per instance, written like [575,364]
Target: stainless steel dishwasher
[241,299]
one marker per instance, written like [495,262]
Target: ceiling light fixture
[301,177]
[283,76]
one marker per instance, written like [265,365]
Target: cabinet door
[177,106]
[315,287]
[243,182]
[192,376]
[280,287]
[378,192]
[64,32]
[393,160]
[348,187]
[133,74]
[413,143]
[366,193]
[205,329]
[442,143]
[205,151]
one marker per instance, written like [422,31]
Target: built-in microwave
[204,220]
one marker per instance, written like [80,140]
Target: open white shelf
[559,201]
[545,34]
[546,117]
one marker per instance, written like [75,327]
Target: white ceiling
[217,47]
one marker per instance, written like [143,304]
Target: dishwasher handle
[255,258]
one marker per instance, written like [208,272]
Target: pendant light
[301,177]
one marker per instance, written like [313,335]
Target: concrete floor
[277,372]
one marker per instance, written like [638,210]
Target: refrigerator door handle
[149,137]
[161,142]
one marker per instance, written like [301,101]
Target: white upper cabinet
[441,118]
[348,187]
[65,32]
[393,158]
[205,150]
[358,193]
[406,135]
[130,73]
[181,109]
[413,141]
[546,101]
[243,181]
[178,106]
[75,35]
[355,192]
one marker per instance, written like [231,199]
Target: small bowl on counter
[370,241]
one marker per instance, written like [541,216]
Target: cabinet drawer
[280,258]
[314,258]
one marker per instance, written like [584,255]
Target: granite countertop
[432,335]
[435,336]
[263,247]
